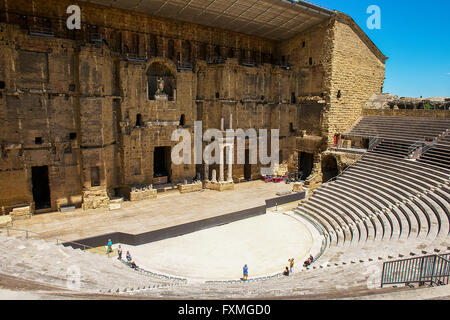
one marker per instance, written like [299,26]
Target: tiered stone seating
[333,281]
[399,128]
[49,263]
[395,148]
[384,203]
[440,154]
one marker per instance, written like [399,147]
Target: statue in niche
[160,85]
[160,94]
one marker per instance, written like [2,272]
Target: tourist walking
[119,251]
[291,265]
[245,272]
[109,246]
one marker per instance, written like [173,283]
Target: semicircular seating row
[399,128]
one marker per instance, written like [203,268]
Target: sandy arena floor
[169,209]
[264,243]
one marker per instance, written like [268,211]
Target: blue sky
[415,35]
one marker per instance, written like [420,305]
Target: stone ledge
[143,194]
[192,187]
[219,186]
[21,213]
[298,187]
[115,204]
[93,199]
[5,221]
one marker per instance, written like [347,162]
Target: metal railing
[247,62]
[185,65]
[29,235]
[96,37]
[374,142]
[135,57]
[215,60]
[41,31]
[432,269]
[419,148]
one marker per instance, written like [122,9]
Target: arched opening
[186,52]
[2,84]
[217,52]
[329,168]
[231,53]
[255,57]
[158,71]
[242,54]
[171,49]
[202,53]
[153,44]
[182,120]
[139,121]
[135,46]
[293,99]
[115,41]
[305,164]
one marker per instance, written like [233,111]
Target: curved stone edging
[156,275]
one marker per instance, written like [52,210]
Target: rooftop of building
[269,19]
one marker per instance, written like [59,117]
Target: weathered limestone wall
[83,98]
[357,73]
[37,73]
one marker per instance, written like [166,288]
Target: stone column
[206,166]
[221,168]
[230,165]
[213,178]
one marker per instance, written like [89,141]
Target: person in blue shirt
[245,271]
[109,246]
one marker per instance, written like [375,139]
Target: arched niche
[159,70]
[330,168]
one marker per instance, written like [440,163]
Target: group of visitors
[308,261]
[288,271]
[130,260]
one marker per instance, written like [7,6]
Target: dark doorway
[95,176]
[182,120]
[247,166]
[161,163]
[41,187]
[329,168]
[305,164]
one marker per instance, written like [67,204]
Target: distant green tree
[428,107]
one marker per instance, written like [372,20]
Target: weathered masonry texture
[81,103]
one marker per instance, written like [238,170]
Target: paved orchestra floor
[264,243]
